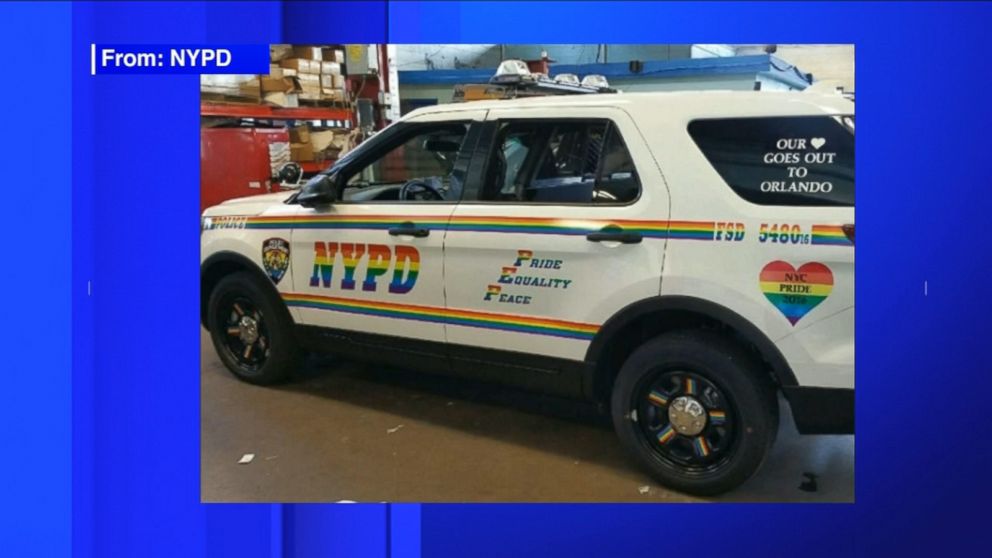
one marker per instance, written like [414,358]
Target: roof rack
[514,80]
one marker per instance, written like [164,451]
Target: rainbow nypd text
[404,260]
[447,316]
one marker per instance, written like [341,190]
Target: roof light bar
[512,71]
[595,80]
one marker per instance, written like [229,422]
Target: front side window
[565,162]
[415,166]
[793,160]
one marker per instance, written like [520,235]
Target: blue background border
[133,184]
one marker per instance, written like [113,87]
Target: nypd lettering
[399,265]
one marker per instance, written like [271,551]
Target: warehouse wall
[445,57]
[825,62]
[440,92]
[737,82]
[591,54]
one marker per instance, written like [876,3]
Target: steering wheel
[417,189]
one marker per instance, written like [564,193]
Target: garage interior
[345,431]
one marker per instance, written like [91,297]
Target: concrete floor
[346,431]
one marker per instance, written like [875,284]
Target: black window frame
[488,134]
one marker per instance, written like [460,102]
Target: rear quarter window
[794,160]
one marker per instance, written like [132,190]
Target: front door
[373,262]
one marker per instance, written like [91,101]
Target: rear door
[564,226]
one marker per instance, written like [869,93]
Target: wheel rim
[686,420]
[245,335]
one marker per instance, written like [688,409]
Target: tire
[725,435]
[271,354]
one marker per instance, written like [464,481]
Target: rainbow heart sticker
[796,291]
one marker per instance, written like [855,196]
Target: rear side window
[560,162]
[795,160]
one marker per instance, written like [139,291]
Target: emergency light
[512,71]
[595,80]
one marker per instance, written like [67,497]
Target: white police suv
[681,258]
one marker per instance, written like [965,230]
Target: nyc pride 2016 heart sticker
[796,291]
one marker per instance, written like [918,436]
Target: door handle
[615,234]
[409,229]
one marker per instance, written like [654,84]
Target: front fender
[220,264]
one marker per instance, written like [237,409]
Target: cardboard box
[285,100]
[280,52]
[301,65]
[330,68]
[336,95]
[327,144]
[308,52]
[332,81]
[251,88]
[301,152]
[278,85]
[289,72]
[321,139]
[309,95]
[275,71]
[331,54]
[300,134]
[310,84]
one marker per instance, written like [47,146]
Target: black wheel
[695,409]
[251,330]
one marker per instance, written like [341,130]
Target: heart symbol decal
[796,291]
[817,142]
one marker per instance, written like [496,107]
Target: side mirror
[320,190]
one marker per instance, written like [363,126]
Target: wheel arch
[647,318]
[223,263]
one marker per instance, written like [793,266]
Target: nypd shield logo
[275,258]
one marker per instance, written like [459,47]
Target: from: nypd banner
[179,59]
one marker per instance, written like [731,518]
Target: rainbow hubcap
[685,419]
[245,334]
[687,415]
